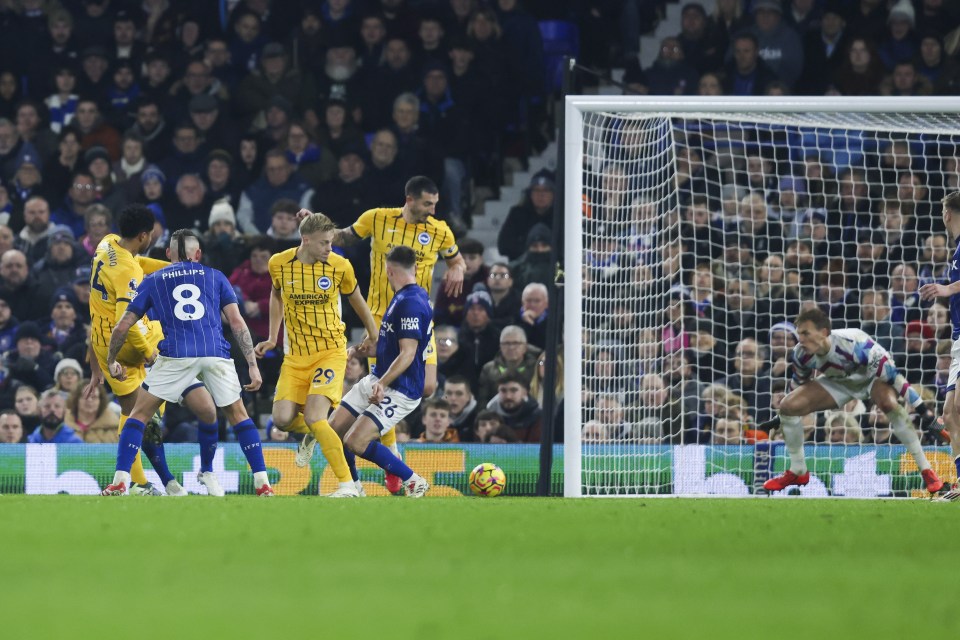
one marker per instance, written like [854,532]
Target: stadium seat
[560,38]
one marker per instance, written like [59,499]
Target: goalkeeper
[850,365]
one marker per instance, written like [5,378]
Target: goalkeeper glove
[770,424]
[927,420]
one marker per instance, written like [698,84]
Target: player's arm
[936,290]
[276,317]
[345,237]
[121,279]
[149,265]
[408,351]
[96,375]
[453,278]
[117,339]
[369,344]
[242,335]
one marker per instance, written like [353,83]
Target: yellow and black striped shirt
[387,229]
[311,301]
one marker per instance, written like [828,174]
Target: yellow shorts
[319,374]
[131,358]
[429,354]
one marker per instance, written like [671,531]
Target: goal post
[695,228]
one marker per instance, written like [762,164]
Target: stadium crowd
[228,117]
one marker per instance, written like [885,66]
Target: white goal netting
[701,236]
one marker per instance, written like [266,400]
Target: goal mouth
[696,229]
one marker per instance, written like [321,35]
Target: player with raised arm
[951,410]
[307,283]
[118,268]
[850,364]
[413,226]
[394,388]
[187,298]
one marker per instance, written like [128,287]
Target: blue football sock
[131,437]
[158,458]
[956,461]
[249,439]
[384,458]
[207,437]
[352,463]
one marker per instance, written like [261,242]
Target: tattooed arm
[242,335]
[345,237]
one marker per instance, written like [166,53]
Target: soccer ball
[487,480]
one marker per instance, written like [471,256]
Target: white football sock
[260,478]
[121,476]
[793,437]
[908,436]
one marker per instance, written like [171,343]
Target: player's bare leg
[249,439]
[951,420]
[315,413]
[887,401]
[362,440]
[805,399]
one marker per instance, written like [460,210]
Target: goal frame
[575,107]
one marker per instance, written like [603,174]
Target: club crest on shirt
[132,288]
[424,238]
[324,283]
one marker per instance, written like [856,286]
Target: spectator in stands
[189,210]
[19,287]
[779,44]
[519,411]
[670,74]
[535,264]
[533,313]
[905,81]
[697,226]
[937,16]
[59,169]
[67,334]
[920,362]
[710,85]
[67,376]
[934,263]
[91,416]
[11,427]
[899,44]
[490,425]
[132,160]
[188,154]
[478,337]
[13,150]
[279,181]
[57,268]
[659,416]
[451,359]
[337,132]
[842,428]
[449,309]
[932,62]
[27,405]
[703,45]
[52,429]
[436,423]
[284,226]
[347,193]
[751,381]
[463,406]
[875,314]
[904,297]
[224,247]
[747,74]
[765,236]
[515,356]
[31,128]
[536,208]
[246,41]
[861,72]
[824,50]
[80,197]
[783,338]
[726,431]
[729,18]
[938,317]
[682,384]
[773,299]
[216,131]
[314,163]
[197,80]
[8,326]
[355,371]
[738,312]
[385,172]
[28,363]
[97,163]
[341,77]
[219,176]
[274,77]
[151,126]
[94,131]
[252,277]
[32,239]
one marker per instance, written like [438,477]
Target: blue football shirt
[955,299]
[408,316]
[186,298]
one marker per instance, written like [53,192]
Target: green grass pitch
[241,567]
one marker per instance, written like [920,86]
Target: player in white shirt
[849,364]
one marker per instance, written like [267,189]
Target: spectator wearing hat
[920,362]
[52,429]
[314,163]
[536,208]
[347,193]
[479,339]
[67,376]
[157,82]
[670,74]
[307,42]
[534,265]
[93,81]
[153,181]
[938,17]
[780,46]
[13,150]
[449,309]
[29,363]
[81,289]
[18,285]
[189,153]
[223,247]
[823,50]
[899,44]
[94,130]
[803,15]
[215,129]
[275,77]
[220,179]
[280,181]
[58,267]
[703,44]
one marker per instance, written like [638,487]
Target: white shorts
[843,390]
[168,378]
[954,366]
[392,409]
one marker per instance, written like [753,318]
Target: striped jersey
[955,299]
[387,229]
[408,315]
[311,301]
[186,298]
[115,275]
[854,356]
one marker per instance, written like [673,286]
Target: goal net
[696,230]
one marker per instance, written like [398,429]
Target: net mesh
[703,237]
